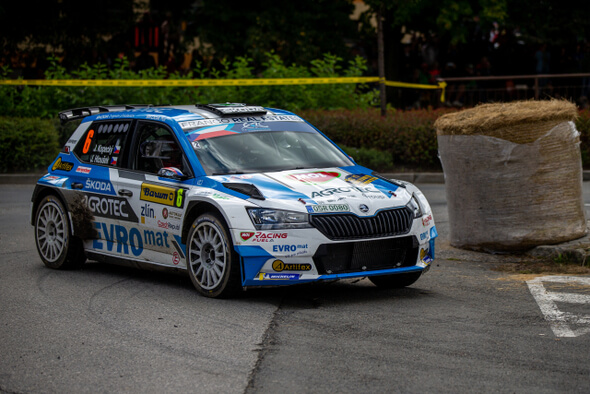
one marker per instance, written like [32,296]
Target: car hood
[350,189]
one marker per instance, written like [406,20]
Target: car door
[158,200]
[95,179]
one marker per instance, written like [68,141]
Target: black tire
[212,263]
[396,281]
[56,246]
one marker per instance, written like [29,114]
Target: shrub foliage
[27,144]
[30,135]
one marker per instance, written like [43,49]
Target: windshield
[266,151]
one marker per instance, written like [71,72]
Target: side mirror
[172,173]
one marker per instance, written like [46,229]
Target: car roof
[179,113]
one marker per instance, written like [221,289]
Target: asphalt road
[463,327]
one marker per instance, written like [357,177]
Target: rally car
[237,195]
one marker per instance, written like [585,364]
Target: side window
[103,142]
[156,148]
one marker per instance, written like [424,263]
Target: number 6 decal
[88,141]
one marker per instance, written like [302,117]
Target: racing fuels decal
[62,165]
[279,266]
[260,236]
[110,207]
[162,195]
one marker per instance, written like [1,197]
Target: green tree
[81,31]
[298,31]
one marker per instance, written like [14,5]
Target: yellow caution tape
[187,82]
[214,82]
[441,85]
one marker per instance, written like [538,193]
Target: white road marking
[560,321]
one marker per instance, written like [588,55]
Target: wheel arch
[196,209]
[40,193]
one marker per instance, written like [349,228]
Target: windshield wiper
[228,173]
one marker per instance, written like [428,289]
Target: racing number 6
[179,198]
[88,141]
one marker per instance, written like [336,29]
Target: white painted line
[560,321]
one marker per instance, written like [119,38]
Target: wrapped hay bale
[513,175]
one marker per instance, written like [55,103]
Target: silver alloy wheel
[207,256]
[51,232]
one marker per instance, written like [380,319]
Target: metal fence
[470,91]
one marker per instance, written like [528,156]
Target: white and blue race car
[239,196]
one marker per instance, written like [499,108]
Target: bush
[408,137]
[47,101]
[404,140]
[27,144]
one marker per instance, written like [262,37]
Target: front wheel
[56,246]
[395,281]
[212,263]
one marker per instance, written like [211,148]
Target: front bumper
[299,262]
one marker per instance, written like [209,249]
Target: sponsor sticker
[426,220]
[98,186]
[267,118]
[261,236]
[54,180]
[110,207]
[115,237]
[314,177]
[162,195]
[279,266]
[62,165]
[173,215]
[360,179]
[246,235]
[425,257]
[83,170]
[265,276]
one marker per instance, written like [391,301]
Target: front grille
[349,226]
[366,255]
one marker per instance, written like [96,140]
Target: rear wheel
[395,281]
[56,246]
[212,263]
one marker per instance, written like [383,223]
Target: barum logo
[314,177]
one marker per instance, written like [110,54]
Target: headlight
[272,219]
[415,206]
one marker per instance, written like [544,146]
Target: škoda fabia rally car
[239,196]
